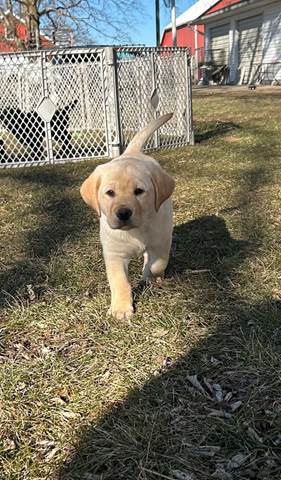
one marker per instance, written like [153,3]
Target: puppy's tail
[137,143]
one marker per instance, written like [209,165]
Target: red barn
[187,36]
[14,34]
[191,36]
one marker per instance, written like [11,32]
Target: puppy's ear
[163,186]
[90,189]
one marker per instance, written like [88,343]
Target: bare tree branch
[109,19]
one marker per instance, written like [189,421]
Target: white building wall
[272,42]
[233,54]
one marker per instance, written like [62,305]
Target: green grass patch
[86,397]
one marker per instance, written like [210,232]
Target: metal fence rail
[74,104]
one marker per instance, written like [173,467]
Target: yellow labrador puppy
[131,195]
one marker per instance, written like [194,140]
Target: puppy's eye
[138,191]
[110,193]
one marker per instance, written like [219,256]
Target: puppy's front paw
[121,312]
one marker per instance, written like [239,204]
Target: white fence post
[113,104]
[189,114]
[45,94]
[154,91]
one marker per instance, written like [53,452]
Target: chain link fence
[73,104]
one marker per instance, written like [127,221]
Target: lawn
[190,389]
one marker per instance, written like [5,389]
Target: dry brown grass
[191,388]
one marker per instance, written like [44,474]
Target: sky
[145,34]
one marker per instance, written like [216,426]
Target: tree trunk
[9,5]
[32,19]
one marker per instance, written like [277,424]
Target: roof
[8,44]
[228,6]
[194,12]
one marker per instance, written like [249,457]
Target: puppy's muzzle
[124,214]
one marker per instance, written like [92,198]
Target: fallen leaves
[236,462]
[195,383]
[8,444]
[221,474]
[213,392]
[208,451]
[51,454]
[64,394]
[224,470]
[217,392]
[179,475]
[48,449]
[30,293]
[160,332]
[219,413]
[254,435]
[69,415]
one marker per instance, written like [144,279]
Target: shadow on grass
[169,428]
[59,216]
[208,130]
[199,245]
[165,426]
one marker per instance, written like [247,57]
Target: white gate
[73,104]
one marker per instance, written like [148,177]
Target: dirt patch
[235,89]
[232,138]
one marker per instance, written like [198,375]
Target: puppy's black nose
[124,214]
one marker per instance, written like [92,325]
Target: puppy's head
[130,189]
[127,191]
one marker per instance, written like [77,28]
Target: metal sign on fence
[73,104]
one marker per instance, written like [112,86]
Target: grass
[86,397]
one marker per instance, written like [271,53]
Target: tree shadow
[164,426]
[206,130]
[59,216]
[170,426]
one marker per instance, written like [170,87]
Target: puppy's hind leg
[154,266]
[146,273]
